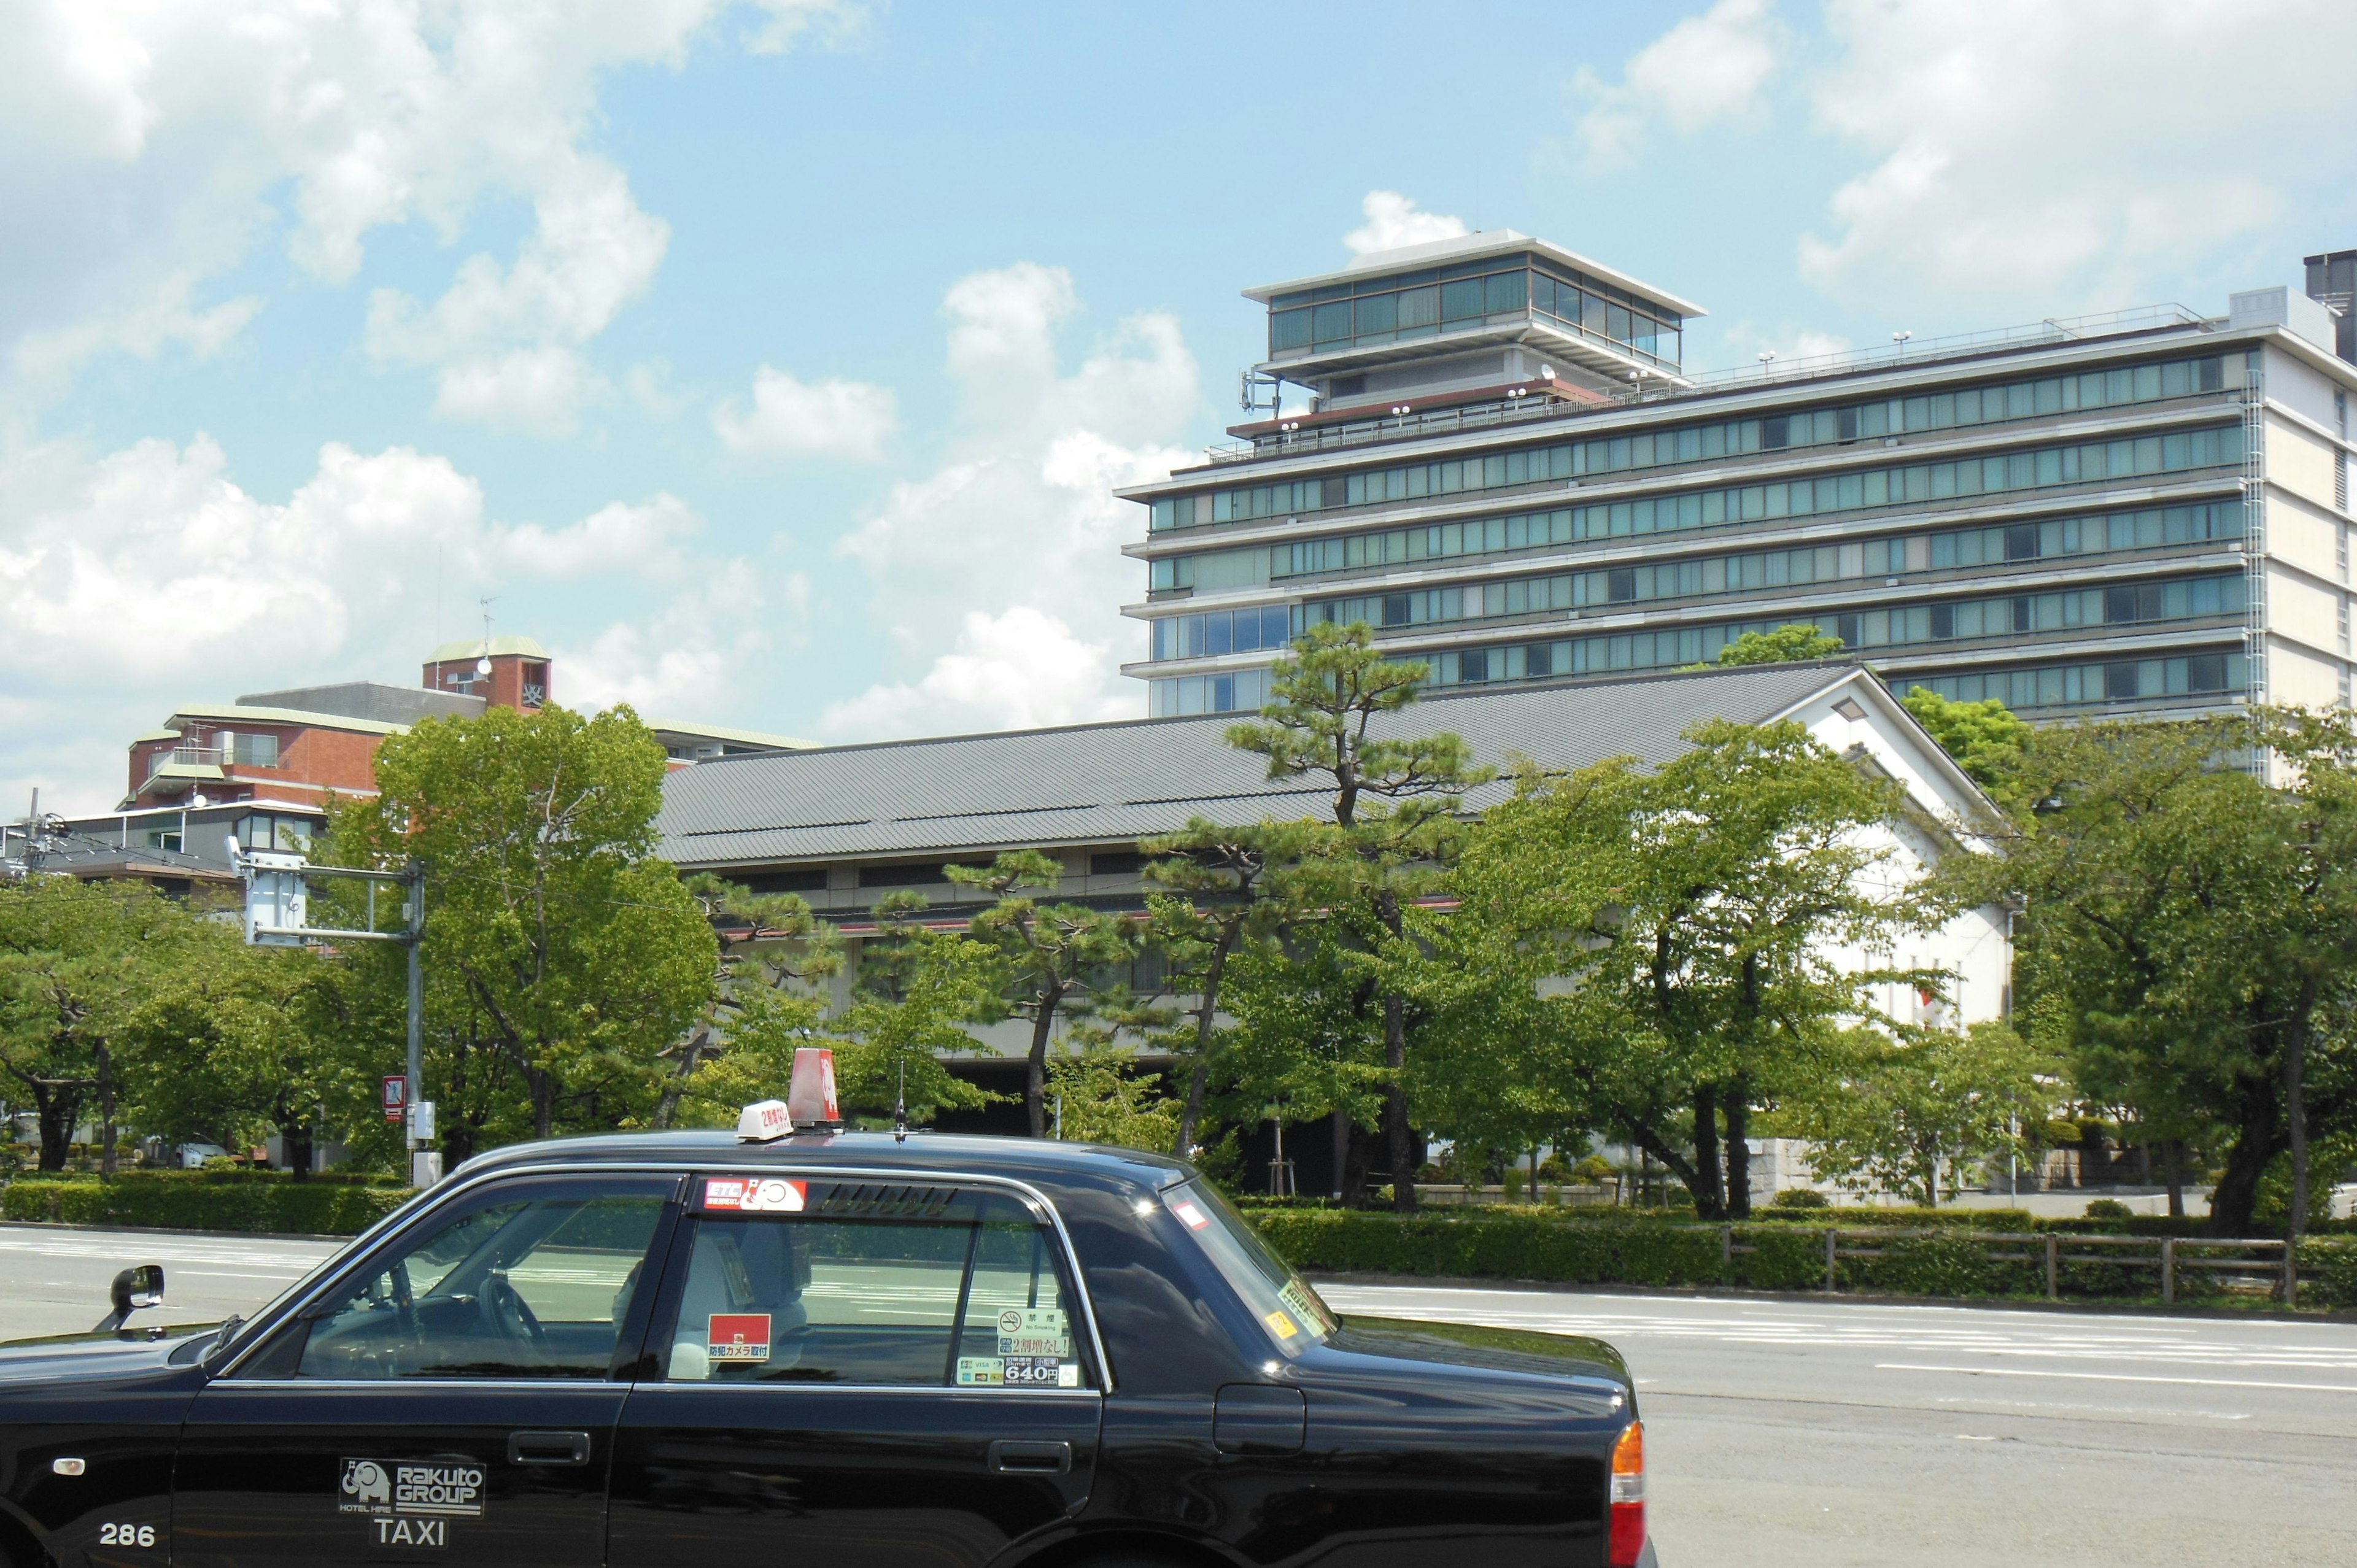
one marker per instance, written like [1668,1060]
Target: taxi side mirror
[134,1288]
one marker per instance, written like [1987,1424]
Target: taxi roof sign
[764,1122]
[810,1096]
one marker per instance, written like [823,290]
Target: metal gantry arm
[277,902]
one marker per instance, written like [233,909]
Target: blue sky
[772,362]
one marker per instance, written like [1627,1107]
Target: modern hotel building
[1507,472]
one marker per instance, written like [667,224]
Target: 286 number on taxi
[126,1535]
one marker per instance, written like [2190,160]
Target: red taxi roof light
[1628,1528]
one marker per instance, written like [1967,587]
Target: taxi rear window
[794,1281]
[1292,1314]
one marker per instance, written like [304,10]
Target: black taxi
[693,1350]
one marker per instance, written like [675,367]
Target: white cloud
[1392,220]
[1704,70]
[134,580]
[640,539]
[1020,516]
[687,662]
[828,418]
[788,22]
[2066,155]
[1018,669]
[151,147]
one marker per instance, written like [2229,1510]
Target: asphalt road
[1777,1433]
[1838,1432]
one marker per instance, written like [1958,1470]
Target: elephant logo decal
[365,1482]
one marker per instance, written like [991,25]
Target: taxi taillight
[1628,1538]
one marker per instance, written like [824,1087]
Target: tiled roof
[1112,783]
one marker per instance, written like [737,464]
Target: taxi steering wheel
[511,1314]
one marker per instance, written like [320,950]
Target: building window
[801,879]
[282,834]
[1221,631]
[907,873]
[163,838]
[535,685]
[248,750]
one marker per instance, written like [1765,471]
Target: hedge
[1634,1250]
[203,1200]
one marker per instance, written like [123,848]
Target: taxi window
[848,1287]
[532,1287]
[1294,1314]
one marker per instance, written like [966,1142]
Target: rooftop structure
[2141,511]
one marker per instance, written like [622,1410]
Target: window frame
[374,1249]
[663,1306]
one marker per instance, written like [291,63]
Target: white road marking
[2115,1378]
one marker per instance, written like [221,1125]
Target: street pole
[415,874]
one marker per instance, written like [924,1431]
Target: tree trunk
[54,1111]
[543,1104]
[106,1112]
[2295,1072]
[1207,1008]
[1340,1139]
[1738,1150]
[1398,1138]
[1035,1075]
[668,1106]
[295,1137]
[1703,1182]
[2172,1154]
[2259,1138]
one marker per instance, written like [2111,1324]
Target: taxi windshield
[1292,1312]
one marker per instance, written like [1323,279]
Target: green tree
[773,954]
[233,1043]
[76,959]
[1986,738]
[1789,644]
[2188,922]
[563,958]
[1393,805]
[895,1040]
[1307,1036]
[1212,890]
[1053,956]
[1101,1098]
[1912,1114]
[1687,922]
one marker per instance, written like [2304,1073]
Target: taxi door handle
[1009,1458]
[548,1448]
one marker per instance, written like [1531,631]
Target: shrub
[2327,1273]
[1785,1258]
[202,1200]
[2109,1208]
[1799,1197]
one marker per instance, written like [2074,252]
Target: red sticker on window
[739,1336]
[1195,1218]
[755,1195]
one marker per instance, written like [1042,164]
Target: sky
[774,363]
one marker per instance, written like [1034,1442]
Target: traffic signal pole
[276,914]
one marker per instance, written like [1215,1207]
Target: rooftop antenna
[483,664]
